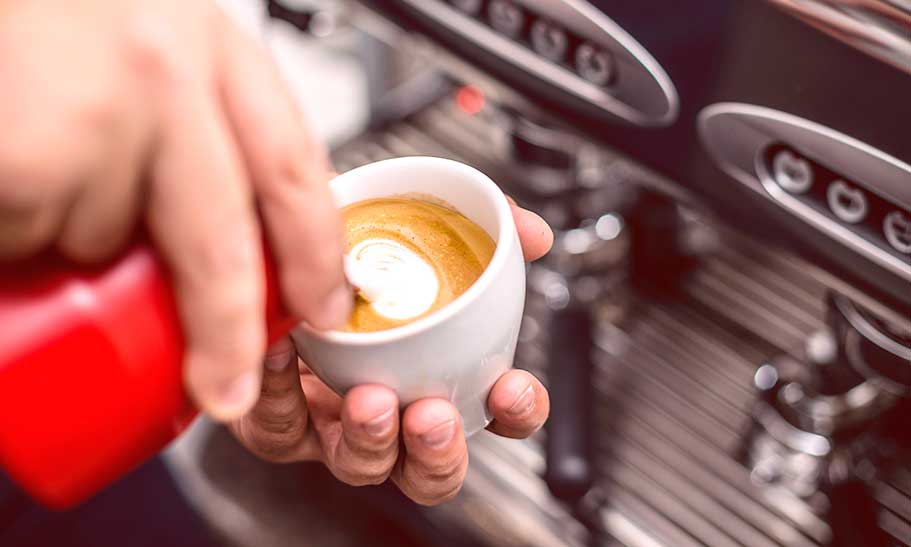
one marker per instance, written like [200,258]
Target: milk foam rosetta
[419,256]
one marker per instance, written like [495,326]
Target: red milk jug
[90,371]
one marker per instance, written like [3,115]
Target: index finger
[290,173]
[202,219]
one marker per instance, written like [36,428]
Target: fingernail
[524,403]
[337,307]
[440,435]
[382,424]
[238,395]
[279,361]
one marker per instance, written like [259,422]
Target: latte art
[402,285]
[413,257]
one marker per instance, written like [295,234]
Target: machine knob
[595,65]
[471,7]
[506,17]
[549,40]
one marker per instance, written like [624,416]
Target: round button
[471,7]
[549,40]
[847,202]
[792,172]
[897,226]
[506,17]
[594,65]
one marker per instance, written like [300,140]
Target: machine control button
[506,17]
[540,38]
[471,7]
[760,148]
[595,65]
[897,227]
[847,202]
[792,172]
[549,40]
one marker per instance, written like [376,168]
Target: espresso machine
[724,323]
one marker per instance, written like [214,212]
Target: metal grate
[674,385]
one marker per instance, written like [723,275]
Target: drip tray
[674,391]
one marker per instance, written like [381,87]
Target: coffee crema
[424,255]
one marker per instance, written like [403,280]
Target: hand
[117,111]
[362,440]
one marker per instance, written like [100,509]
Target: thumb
[276,427]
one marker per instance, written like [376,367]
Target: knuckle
[225,289]
[448,494]
[364,474]
[280,398]
[93,239]
[95,118]
[283,168]
[18,201]
[324,273]
[22,237]
[364,467]
[231,256]
[150,49]
[221,353]
[26,177]
[327,263]
[241,342]
[275,441]
[72,130]
[85,250]
[30,211]
[430,494]
[446,470]
[435,483]
[281,417]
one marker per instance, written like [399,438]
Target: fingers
[364,447]
[534,233]
[35,193]
[436,456]
[27,229]
[86,201]
[277,426]
[519,404]
[290,174]
[103,212]
[47,154]
[201,216]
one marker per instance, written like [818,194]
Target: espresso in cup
[423,254]
[456,351]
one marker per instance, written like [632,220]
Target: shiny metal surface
[674,396]
[736,136]
[734,50]
[864,331]
[880,28]
[641,94]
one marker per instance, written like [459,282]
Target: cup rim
[505,241]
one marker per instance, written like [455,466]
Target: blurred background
[723,323]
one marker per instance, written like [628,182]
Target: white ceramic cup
[459,351]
